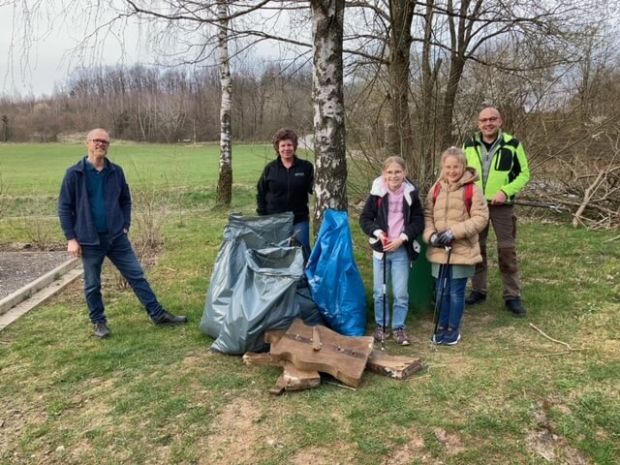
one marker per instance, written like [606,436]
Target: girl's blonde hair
[455,152]
[389,160]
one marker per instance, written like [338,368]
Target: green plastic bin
[421,283]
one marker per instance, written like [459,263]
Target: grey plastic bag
[262,298]
[240,234]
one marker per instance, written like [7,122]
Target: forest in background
[415,76]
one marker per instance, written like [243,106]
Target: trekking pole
[443,280]
[384,290]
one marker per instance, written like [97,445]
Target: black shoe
[167,318]
[101,330]
[475,297]
[516,307]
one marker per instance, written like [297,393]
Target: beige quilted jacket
[449,211]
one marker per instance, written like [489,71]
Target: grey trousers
[504,223]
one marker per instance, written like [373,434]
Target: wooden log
[273,335]
[342,357]
[294,379]
[316,339]
[394,366]
[253,359]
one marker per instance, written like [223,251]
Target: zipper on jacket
[288,185]
[484,181]
[447,208]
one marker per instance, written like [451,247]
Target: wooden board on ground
[294,379]
[273,335]
[394,366]
[342,357]
[265,359]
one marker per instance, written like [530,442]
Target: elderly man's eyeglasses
[492,119]
[100,142]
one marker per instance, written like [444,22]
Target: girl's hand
[392,245]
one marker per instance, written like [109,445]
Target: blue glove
[445,238]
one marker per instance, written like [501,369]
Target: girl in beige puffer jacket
[454,216]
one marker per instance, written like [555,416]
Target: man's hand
[74,248]
[499,199]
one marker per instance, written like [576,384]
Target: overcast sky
[33,61]
[39,51]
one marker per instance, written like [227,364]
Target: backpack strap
[468,195]
[436,192]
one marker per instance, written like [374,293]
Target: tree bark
[457,64]
[399,134]
[224,183]
[426,143]
[330,189]
[461,25]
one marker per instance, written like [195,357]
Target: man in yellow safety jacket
[501,161]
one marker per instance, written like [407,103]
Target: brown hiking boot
[380,335]
[401,338]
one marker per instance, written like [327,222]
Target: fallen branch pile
[590,196]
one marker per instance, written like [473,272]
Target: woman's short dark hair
[284,134]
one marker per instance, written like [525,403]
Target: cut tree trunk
[342,357]
[394,366]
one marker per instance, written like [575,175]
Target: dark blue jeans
[118,249]
[453,303]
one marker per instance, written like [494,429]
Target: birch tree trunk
[330,188]
[224,183]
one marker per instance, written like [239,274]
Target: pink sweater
[396,220]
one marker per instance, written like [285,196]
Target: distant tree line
[158,104]
[415,76]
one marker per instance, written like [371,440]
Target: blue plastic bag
[334,279]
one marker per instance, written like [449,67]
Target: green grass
[157,395]
[162,165]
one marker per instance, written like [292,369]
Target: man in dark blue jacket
[94,208]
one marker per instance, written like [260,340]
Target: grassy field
[39,168]
[504,395]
